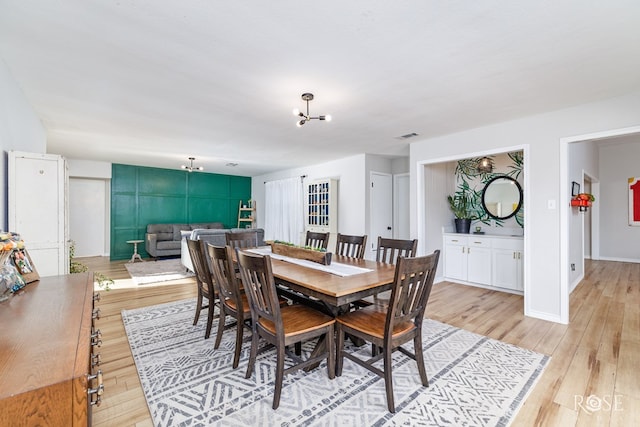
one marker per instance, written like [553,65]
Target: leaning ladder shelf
[246,215]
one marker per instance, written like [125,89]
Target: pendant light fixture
[304,118]
[190,167]
[485,165]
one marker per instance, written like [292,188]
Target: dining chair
[389,250]
[351,246]
[391,327]
[317,240]
[233,302]
[204,280]
[281,326]
[242,239]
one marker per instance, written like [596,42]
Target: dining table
[333,288]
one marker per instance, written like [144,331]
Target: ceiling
[152,82]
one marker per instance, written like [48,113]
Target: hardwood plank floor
[592,378]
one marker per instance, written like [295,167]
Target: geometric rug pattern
[157,271]
[473,380]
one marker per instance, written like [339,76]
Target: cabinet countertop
[499,236]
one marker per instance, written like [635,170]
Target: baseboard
[616,259]
[575,283]
[544,316]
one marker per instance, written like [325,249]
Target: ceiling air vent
[407,136]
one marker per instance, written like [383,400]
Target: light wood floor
[593,377]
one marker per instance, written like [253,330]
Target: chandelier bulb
[296,112]
[300,123]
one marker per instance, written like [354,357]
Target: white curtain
[284,210]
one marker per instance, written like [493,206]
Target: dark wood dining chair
[389,250]
[281,326]
[233,302]
[242,239]
[204,280]
[391,327]
[351,246]
[317,240]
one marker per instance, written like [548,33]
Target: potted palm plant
[461,206]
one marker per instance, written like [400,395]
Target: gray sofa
[215,237]
[164,239]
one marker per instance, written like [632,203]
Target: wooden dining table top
[333,289]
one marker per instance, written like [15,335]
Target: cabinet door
[479,265]
[455,262]
[507,269]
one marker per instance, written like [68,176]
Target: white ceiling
[152,82]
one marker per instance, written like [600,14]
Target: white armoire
[38,208]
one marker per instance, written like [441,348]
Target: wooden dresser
[47,353]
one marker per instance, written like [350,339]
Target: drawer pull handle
[96,359]
[95,314]
[479,243]
[98,400]
[98,391]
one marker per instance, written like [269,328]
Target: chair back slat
[259,285]
[242,239]
[389,250]
[411,289]
[200,265]
[317,240]
[224,272]
[351,246]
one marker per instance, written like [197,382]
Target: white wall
[20,129]
[352,190]
[618,240]
[583,158]
[541,134]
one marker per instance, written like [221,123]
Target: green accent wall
[143,195]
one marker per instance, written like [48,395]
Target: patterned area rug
[473,380]
[157,271]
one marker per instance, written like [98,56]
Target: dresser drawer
[455,240]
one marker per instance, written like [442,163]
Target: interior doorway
[381,212]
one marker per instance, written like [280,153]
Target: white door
[87,216]
[37,208]
[401,206]
[381,213]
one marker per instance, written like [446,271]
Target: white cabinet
[37,191]
[479,260]
[455,257]
[494,261]
[468,258]
[507,263]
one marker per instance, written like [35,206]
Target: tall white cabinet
[321,208]
[489,261]
[38,208]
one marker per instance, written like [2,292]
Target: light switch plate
[551,204]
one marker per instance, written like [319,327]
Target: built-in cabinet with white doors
[37,190]
[488,261]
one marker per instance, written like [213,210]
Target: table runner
[336,268]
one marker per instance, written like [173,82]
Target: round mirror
[502,197]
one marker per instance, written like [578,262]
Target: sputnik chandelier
[190,167]
[304,118]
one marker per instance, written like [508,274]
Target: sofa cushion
[162,231]
[207,225]
[177,228]
[168,244]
